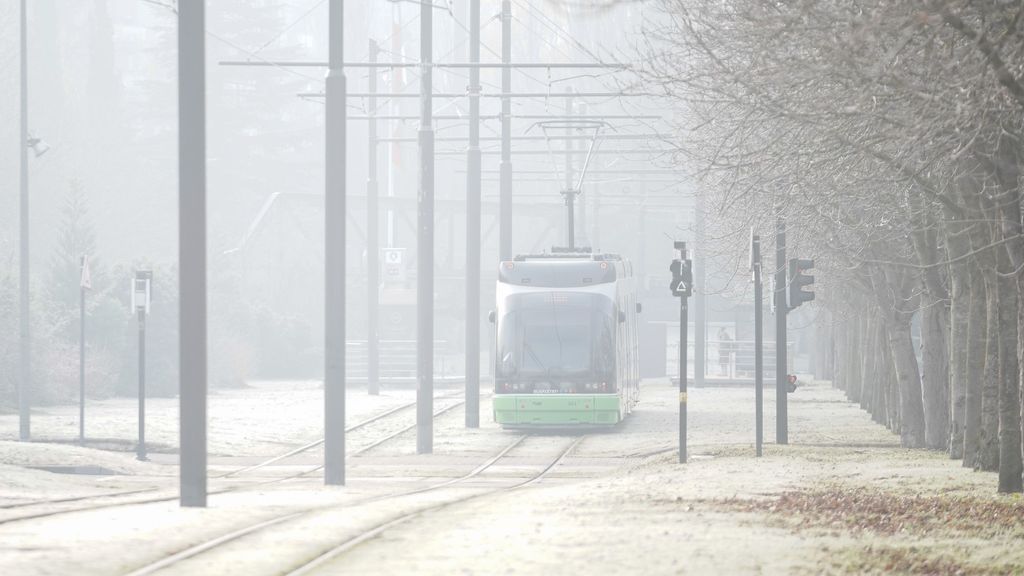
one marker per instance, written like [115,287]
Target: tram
[566,340]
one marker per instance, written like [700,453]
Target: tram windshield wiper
[529,350]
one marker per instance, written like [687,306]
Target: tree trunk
[837,346]
[935,364]
[1020,354]
[880,370]
[958,339]
[1010,260]
[892,396]
[934,323]
[988,449]
[884,409]
[1010,464]
[896,293]
[873,378]
[912,423]
[957,245]
[976,322]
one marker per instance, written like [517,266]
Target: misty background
[103,90]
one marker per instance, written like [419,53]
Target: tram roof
[563,269]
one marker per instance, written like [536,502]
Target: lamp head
[37,145]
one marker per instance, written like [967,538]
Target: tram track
[229,475]
[15,505]
[372,531]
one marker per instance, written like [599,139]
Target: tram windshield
[556,342]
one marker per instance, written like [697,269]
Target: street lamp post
[141,298]
[25,341]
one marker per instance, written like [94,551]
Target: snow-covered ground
[619,503]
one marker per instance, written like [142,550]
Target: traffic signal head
[682,278]
[798,279]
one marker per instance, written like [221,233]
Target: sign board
[680,289]
[86,281]
[394,265]
[142,291]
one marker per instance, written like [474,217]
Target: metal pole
[781,384]
[140,450]
[334,252]
[425,245]
[505,185]
[758,345]
[81,362]
[683,321]
[25,337]
[700,321]
[372,242]
[192,247]
[570,222]
[570,191]
[473,193]
[581,206]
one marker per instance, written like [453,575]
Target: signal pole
[781,380]
[683,321]
[334,251]
[682,288]
[505,184]
[425,244]
[755,264]
[473,192]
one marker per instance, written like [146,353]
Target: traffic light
[682,278]
[798,279]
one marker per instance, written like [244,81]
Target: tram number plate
[545,391]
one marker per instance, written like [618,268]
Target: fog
[102,87]
[747,276]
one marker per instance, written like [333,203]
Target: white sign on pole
[394,268]
[86,280]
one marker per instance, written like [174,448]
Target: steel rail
[367,535]
[169,497]
[208,545]
[316,443]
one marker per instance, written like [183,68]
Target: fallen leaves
[861,509]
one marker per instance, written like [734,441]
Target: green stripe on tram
[556,409]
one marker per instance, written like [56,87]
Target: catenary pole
[334,252]
[473,201]
[505,167]
[758,344]
[192,247]
[781,384]
[425,244]
[372,240]
[81,353]
[24,334]
[570,190]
